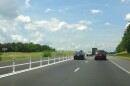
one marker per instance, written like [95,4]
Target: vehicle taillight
[97,54]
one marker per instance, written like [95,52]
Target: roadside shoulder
[125,64]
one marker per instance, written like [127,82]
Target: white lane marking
[76,69]
[120,67]
[86,61]
[17,72]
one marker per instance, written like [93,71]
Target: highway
[111,72]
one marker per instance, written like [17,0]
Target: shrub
[0,56]
[46,54]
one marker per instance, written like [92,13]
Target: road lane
[22,67]
[92,73]
[99,73]
[48,76]
[121,62]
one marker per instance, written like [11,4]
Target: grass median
[21,56]
[123,55]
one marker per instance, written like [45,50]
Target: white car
[88,54]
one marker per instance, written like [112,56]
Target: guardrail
[14,65]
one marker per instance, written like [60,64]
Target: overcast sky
[65,24]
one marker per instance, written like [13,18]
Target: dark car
[100,54]
[79,55]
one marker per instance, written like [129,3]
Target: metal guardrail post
[41,61]
[59,58]
[66,57]
[63,58]
[54,59]
[13,65]
[30,65]
[48,61]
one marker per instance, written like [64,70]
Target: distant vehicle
[79,55]
[94,51]
[100,54]
[89,54]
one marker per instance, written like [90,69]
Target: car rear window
[103,52]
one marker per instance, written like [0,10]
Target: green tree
[120,47]
[25,47]
[126,39]
[125,43]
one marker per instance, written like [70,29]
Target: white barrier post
[30,65]
[48,60]
[41,61]
[54,59]
[59,58]
[62,58]
[66,56]
[13,65]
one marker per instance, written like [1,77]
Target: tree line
[24,47]
[124,45]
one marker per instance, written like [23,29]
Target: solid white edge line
[120,66]
[17,72]
[76,69]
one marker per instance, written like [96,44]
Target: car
[79,55]
[100,54]
[89,54]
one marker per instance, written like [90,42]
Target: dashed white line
[120,67]
[76,69]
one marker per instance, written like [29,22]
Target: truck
[94,51]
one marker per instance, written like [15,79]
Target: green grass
[20,56]
[62,54]
[123,55]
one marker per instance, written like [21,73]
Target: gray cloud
[8,8]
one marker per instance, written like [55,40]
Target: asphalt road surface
[74,73]
[23,67]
